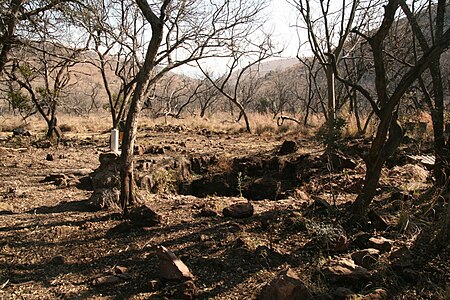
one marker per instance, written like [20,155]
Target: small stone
[286,285]
[50,157]
[239,210]
[171,267]
[380,243]
[366,258]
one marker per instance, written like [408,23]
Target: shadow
[64,206]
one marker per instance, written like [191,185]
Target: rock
[105,198]
[286,286]
[139,149]
[143,216]
[266,187]
[54,177]
[171,267]
[120,228]
[344,269]
[401,253]
[339,161]
[207,212]
[377,220]
[288,147]
[380,243]
[20,131]
[342,293]
[107,174]
[401,258]
[103,280]
[108,158]
[378,294]
[50,157]
[120,270]
[239,210]
[57,260]
[361,239]
[366,258]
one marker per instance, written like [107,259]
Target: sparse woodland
[240,174]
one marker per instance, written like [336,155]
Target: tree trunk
[331,96]
[6,40]
[127,184]
[379,152]
[437,115]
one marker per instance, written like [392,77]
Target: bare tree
[239,84]
[385,101]
[181,32]
[327,25]
[21,14]
[42,70]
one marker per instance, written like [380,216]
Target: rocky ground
[238,216]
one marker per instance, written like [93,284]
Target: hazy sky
[282,19]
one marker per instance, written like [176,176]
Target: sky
[281,19]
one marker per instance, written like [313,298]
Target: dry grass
[260,124]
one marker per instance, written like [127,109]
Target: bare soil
[53,246]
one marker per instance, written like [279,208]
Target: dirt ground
[54,246]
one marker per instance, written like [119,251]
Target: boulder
[171,267]
[286,286]
[239,210]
